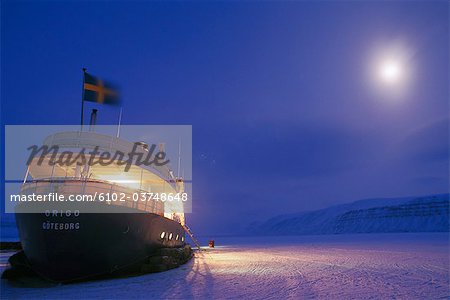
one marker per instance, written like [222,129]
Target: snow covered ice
[380,266]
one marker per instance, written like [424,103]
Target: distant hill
[412,214]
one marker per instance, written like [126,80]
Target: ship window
[177,237]
[170,236]
[163,234]
[182,238]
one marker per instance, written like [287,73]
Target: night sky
[286,112]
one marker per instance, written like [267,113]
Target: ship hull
[63,246]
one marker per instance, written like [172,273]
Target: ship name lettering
[62,213]
[47,225]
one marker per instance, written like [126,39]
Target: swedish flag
[96,90]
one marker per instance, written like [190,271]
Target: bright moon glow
[390,71]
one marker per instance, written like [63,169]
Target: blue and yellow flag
[99,91]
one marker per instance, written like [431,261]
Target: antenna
[82,98]
[120,121]
[179,158]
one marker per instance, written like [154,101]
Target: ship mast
[179,159]
[93,120]
[82,98]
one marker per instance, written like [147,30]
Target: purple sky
[286,112]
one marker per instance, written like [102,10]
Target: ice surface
[403,265]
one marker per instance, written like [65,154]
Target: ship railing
[78,139]
[82,186]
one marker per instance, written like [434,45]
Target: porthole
[170,236]
[177,237]
[182,238]
[163,234]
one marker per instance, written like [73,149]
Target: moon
[390,71]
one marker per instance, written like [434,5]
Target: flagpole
[120,121]
[82,98]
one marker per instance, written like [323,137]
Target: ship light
[122,179]
[163,234]
[170,236]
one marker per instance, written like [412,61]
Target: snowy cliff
[421,214]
